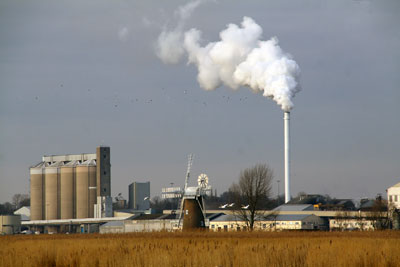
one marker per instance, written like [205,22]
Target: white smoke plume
[123,34]
[169,46]
[240,58]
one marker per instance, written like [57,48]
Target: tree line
[18,201]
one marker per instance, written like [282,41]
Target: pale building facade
[271,223]
[349,223]
[393,196]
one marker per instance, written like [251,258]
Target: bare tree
[380,214]
[19,200]
[252,193]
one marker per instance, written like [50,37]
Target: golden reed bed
[204,249]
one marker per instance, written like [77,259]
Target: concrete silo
[37,192]
[85,182]
[92,187]
[67,185]
[52,188]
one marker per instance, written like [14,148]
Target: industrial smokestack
[286,119]
[239,58]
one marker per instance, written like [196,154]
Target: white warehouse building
[393,194]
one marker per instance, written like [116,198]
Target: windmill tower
[192,209]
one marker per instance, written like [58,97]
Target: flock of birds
[149,101]
[230,205]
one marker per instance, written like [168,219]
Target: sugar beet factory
[72,194]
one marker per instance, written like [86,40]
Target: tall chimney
[286,119]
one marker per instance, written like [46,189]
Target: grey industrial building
[139,196]
[10,224]
[71,186]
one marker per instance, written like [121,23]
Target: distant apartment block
[139,196]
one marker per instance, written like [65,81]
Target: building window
[264,226]
[390,198]
[212,226]
[395,198]
[104,172]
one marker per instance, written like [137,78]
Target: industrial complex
[72,194]
[66,187]
[71,186]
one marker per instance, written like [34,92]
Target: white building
[271,223]
[351,223]
[393,194]
[141,223]
[25,213]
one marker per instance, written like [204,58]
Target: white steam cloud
[169,44]
[123,34]
[240,58]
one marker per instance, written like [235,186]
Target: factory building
[71,186]
[393,194]
[24,212]
[10,224]
[270,223]
[139,196]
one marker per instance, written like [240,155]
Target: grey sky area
[78,74]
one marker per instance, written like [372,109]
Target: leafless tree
[252,192]
[19,200]
[380,214]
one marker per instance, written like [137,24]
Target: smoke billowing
[239,58]
[169,44]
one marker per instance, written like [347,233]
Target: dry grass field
[204,249]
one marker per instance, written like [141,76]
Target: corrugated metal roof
[286,217]
[226,218]
[294,207]
[212,216]
[114,223]
[289,217]
[148,216]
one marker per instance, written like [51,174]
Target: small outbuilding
[10,224]
[25,213]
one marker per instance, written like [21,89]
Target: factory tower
[71,186]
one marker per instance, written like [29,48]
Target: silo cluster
[67,186]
